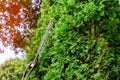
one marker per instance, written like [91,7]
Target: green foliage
[11,70]
[82,45]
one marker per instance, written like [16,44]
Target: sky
[6,53]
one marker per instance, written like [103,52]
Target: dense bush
[83,43]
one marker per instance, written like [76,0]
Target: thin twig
[31,65]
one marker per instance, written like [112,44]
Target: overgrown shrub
[83,43]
